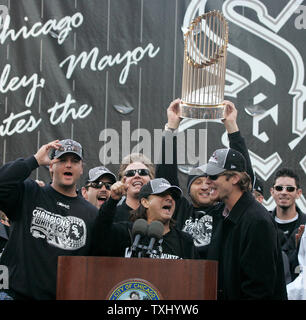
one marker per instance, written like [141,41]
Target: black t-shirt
[170,247]
[287,228]
[115,238]
[45,224]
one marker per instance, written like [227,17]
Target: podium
[109,278]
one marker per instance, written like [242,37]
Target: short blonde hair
[136,157]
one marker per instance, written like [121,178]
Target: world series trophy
[205,48]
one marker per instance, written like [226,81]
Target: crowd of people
[221,218]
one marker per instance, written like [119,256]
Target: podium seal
[134,289]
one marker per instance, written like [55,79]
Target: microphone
[139,230]
[155,232]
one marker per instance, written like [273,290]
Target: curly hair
[136,157]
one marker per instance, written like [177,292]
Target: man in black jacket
[46,222]
[199,216]
[245,241]
[285,191]
[157,203]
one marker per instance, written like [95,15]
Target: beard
[283,207]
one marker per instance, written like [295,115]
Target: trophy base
[208,112]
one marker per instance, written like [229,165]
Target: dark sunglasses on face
[215,176]
[141,172]
[288,188]
[100,184]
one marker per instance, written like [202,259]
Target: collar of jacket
[3,231]
[240,207]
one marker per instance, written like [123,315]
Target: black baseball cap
[68,146]
[98,172]
[258,186]
[157,186]
[225,160]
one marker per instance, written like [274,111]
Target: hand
[42,155]
[173,112]
[230,117]
[298,235]
[118,189]
[40,183]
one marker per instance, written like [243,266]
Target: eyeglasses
[141,172]
[100,184]
[288,188]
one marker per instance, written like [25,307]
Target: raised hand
[299,234]
[42,155]
[118,189]
[173,112]
[230,117]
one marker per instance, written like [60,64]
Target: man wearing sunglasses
[285,191]
[245,241]
[98,185]
[135,171]
[47,222]
[199,216]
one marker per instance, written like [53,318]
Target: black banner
[104,72]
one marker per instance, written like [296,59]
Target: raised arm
[167,168]
[13,175]
[236,141]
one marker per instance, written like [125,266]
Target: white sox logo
[276,93]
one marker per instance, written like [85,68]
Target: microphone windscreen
[155,230]
[140,227]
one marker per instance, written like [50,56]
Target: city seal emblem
[134,289]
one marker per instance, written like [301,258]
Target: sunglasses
[141,172]
[281,188]
[215,176]
[100,184]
